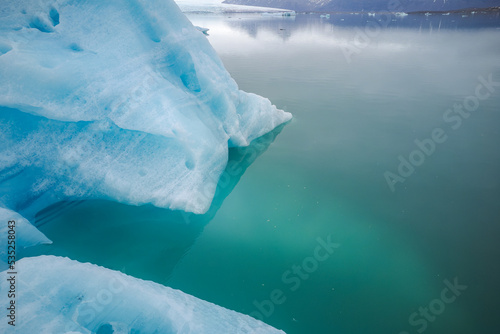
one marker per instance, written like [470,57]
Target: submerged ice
[65,296]
[123,100]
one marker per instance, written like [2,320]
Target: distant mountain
[368,5]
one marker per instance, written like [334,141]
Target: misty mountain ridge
[368,5]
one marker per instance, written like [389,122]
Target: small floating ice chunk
[278,14]
[203,30]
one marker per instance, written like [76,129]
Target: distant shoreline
[487,10]
[472,10]
[460,11]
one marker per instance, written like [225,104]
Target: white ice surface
[122,100]
[58,295]
[23,235]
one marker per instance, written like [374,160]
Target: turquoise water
[322,179]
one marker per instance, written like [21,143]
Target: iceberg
[120,100]
[218,7]
[280,14]
[23,235]
[203,30]
[66,296]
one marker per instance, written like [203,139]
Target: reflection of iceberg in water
[145,242]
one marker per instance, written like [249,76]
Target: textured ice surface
[58,295]
[25,235]
[123,100]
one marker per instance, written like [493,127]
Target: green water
[323,176]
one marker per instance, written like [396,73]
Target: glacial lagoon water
[375,210]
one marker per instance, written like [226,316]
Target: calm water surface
[367,99]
